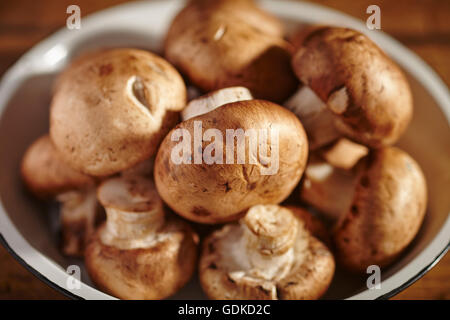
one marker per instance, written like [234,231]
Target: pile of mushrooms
[297,188]
[47,176]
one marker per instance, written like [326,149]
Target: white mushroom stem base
[134,212]
[329,189]
[131,230]
[343,154]
[263,245]
[213,100]
[316,117]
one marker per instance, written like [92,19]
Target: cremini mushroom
[269,254]
[224,43]
[140,252]
[351,89]
[112,108]
[213,167]
[377,206]
[47,176]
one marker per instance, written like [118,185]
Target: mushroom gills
[316,117]
[213,100]
[263,246]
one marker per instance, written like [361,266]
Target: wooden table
[423,26]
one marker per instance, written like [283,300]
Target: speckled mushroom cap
[46,174]
[312,223]
[236,262]
[390,200]
[381,207]
[111,109]
[246,10]
[213,193]
[139,253]
[219,44]
[365,90]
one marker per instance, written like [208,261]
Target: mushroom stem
[134,212]
[133,225]
[316,118]
[329,189]
[343,154]
[269,235]
[213,100]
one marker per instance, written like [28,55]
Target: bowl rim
[52,47]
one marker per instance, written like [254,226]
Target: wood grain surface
[421,25]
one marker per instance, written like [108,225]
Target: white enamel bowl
[24,99]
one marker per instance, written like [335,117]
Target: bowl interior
[25,117]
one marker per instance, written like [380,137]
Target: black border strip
[36,273]
[69,294]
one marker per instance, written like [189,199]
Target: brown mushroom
[213,182]
[377,206]
[47,176]
[270,254]
[139,253]
[224,43]
[360,92]
[112,108]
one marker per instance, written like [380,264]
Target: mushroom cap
[223,268]
[386,213]
[313,224]
[156,272]
[111,109]
[46,174]
[363,87]
[244,10]
[213,193]
[231,43]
